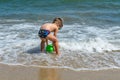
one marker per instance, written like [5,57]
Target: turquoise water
[73,11]
[90,38]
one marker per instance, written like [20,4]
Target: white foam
[12,20]
[65,67]
[75,47]
[91,45]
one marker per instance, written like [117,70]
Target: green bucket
[49,48]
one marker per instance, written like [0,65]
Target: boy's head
[59,22]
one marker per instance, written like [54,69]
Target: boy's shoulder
[46,24]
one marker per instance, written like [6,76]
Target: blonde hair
[58,21]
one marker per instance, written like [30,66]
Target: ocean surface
[89,40]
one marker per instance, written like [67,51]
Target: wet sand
[18,72]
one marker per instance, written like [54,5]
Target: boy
[45,33]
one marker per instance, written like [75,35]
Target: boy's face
[60,28]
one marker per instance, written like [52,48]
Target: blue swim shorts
[43,33]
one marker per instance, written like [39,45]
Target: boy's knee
[56,40]
[43,41]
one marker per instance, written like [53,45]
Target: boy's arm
[55,32]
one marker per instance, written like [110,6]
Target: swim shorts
[43,33]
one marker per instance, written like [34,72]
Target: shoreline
[19,72]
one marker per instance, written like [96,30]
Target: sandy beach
[89,40]
[18,72]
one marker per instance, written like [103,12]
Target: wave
[81,46]
[28,53]
[90,45]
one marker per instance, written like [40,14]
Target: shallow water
[89,39]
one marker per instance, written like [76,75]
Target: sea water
[89,39]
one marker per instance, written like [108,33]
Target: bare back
[49,26]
